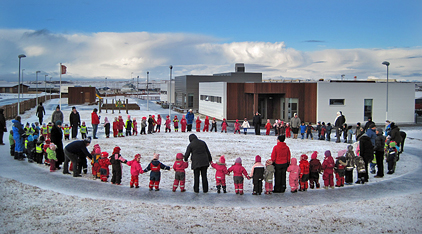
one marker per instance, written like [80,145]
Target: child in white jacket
[245,126]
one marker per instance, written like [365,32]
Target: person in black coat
[256,122]
[379,152]
[40,112]
[366,152]
[75,152]
[201,159]
[338,124]
[3,128]
[75,122]
[57,139]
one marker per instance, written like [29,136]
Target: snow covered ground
[26,208]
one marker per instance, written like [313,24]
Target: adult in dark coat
[3,128]
[40,113]
[366,152]
[75,122]
[368,124]
[256,122]
[190,116]
[338,124]
[74,152]
[201,159]
[150,125]
[395,133]
[57,139]
[379,152]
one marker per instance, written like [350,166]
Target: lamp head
[37,71]
[171,67]
[386,63]
[21,56]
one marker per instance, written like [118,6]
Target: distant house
[13,88]
[128,88]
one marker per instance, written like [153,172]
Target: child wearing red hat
[96,155]
[176,123]
[120,126]
[314,170]
[154,177]
[304,172]
[213,125]
[135,127]
[238,172]
[158,122]
[104,163]
[340,168]
[268,127]
[135,169]
[116,161]
[183,122]
[115,127]
[198,124]
[237,127]
[220,174]
[143,125]
[206,124]
[179,167]
[257,174]
[224,126]
[168,124]
[328,167]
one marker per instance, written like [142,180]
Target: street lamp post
[19,84]
[169,91]
[22,82]
[137,89]
[50,86]
[147,91]
[45,88]
[36,92]
[386,108]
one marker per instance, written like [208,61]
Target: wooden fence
[11,110]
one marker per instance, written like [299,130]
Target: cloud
[118,55]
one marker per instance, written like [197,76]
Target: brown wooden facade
[81,95]
[243,99]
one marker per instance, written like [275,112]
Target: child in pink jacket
[168,124]
[220,174]
[179,167]
[328,167]
[135,169]
[294,170]
[238,172]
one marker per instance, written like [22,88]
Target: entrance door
[87,96]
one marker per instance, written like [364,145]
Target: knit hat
[137,156]
[128,116]
[392,144]
[314,155]
[327,153]
[58,122]
[104,155]
[303,157]
[257,158]
[97,149]
[238,160]
[222,159]
[116,150]
[293,161]
[179,156]
[52,146]
[379,130]
[268,162]
[156,156]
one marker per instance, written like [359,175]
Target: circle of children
[372,146]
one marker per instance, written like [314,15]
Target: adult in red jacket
[281,158]
[95,120]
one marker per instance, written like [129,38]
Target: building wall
[401,98]
[164,94]
[210,108]
[81,95]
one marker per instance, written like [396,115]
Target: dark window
[337,102]
[367,109]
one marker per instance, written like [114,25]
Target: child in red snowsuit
[183,123]
[115,127]
[198,124]
[314,170]
[135,127]
[96,155]
[154,177]
[176,123]
[237,127]
[294,171]
[206,124]
[168,124]
[304,172]
[135,169]
[340,168]
[224,126]
[179,167]
[120,126]
[328,167]
[288,134]
[238,172]
[220,174]
[104,163]
[158,122]
[268,127]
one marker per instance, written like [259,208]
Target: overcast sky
[281,39]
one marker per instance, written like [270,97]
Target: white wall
[213,109]
[165,87]
[401,99]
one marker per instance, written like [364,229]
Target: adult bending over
[201,159]
[74,152]
[281,158]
